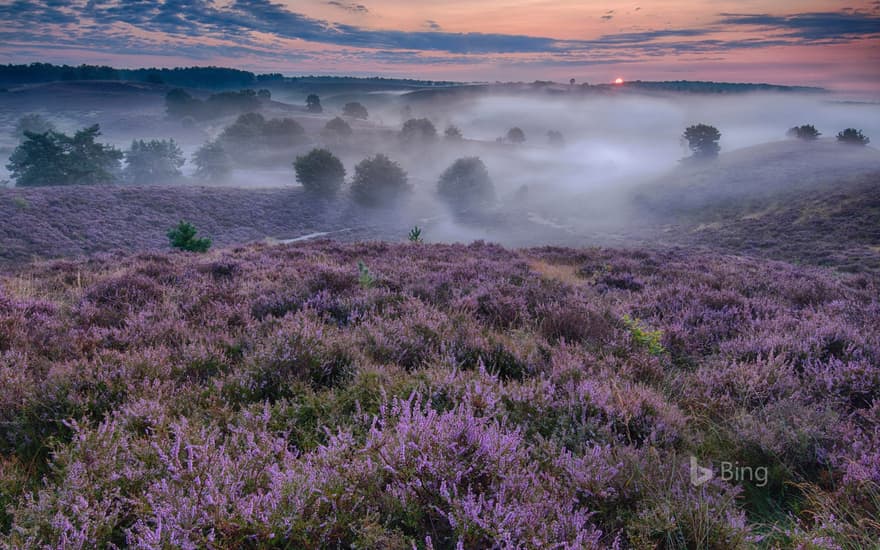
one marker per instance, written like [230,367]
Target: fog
[615,142]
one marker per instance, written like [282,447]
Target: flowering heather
[469,397]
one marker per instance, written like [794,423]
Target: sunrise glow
[809,42]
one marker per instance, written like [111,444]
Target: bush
[355,110]
[452,133]
[282,132]
[54,158]
[212,162]
[703,139]
[155,161]
[516,136]
[336,129]
[252,131]
[379,180]
[466,183]
[807,132]
[851,136]
[319,171]
[183,237]
[418,129]
[555,138]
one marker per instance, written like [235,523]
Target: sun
[618,80]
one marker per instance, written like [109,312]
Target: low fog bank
[584,168]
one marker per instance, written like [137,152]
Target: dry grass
[558,272]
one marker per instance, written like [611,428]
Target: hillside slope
[70,221]
[437,396]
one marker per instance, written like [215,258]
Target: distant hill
[188,77]
[702,87]
[226,78]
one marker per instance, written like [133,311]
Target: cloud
[269,29]
[820,26]
[349,6]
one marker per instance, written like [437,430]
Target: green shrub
[466,184]
[183,237]
[379,181]
[643,337]
[320,171]
[365,278]
[415,234]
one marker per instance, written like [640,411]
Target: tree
[465,184]
[851,136]
[555,138]
[155,161]
[516,136]
[337,129]
[183,237]
[264,95]
[452,133]
[281,132]
[355,110]
[313,104]
[320,171]
[245,133]
[379,181]
[807,132]
[178,103]
[418,129]
[53,158]
[32,123]
[212,162]
[703,141]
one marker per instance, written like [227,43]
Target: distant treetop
[807,132]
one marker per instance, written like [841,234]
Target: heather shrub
[320,171]
[473,396]
[301,348]
[675,514]
[576,322]
[111,301]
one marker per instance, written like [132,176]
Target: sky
[834,44]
